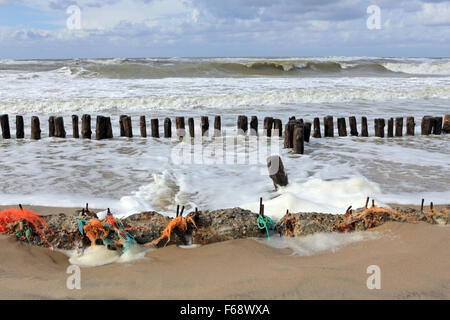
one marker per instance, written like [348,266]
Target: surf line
[193,310]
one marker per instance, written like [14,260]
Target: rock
[222,225]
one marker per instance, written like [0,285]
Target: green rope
[264,222]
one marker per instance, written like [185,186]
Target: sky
[42,29]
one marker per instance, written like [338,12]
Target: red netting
[11,215]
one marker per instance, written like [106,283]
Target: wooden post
[437,125]
[217,126]
[427,125]
[143,126]
[277,128]
[109,132]
[180,129]
[167,128]
[204,125]
[410,126]
[268,122]
[20,132]
[317,133]
[276,171]
[399,127]
[446,127]
[122,121]
[379,127]
[35,128]
[155,128]
[242,125]
[390,130]
[307,133]
[86,132]
[328,126]
[51,126]
[353,126]
[364,130]
[4,121]
[191,127]
[298,139]
[75,130]
[101,128]
[254,126]
[60,132]
[342,127]
[289,134]
[127,126]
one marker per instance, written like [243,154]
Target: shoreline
[48,210]
[413,259]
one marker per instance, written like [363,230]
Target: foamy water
[131,176]
[319,242]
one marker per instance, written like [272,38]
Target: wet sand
[414,261]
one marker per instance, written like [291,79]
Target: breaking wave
[146,68]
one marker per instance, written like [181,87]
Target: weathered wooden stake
[101,128]
[421,206]
[109,132]
[317,133]
[427,125]
[307,133]
[268,123]
[298,139]
[277,128]
[35,128]
[167,128]
[353,126]
[191,127]
[20,132]
[364,128]
[180,128]
[289,134]
[60,132]
[328,126]
[127,127]
[390,130]
[276,171]
[379,127]
[51,126]
[155,127]
[399,127]
[342,127]
[437,125]
[122,120]
[254,126]
[410,126]
[75,130]
[86,132]
[4,121]
[217,126]
[143,126]
[204,125]
[242,125]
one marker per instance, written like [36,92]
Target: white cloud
[435,13]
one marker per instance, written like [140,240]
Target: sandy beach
[414,260]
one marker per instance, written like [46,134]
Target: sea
[130,175]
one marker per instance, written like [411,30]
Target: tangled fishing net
[12,215]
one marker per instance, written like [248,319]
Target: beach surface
[413,258]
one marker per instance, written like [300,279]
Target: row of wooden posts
[296,131]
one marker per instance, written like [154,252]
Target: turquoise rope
[264,222]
